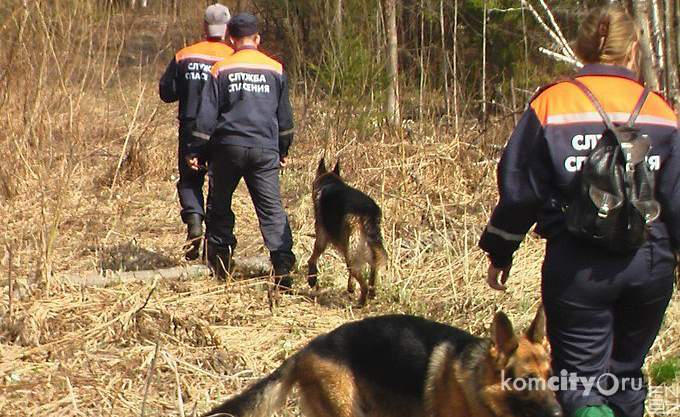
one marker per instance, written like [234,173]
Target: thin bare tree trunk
[421,60]
[484,66]
[445,61]
[526,51]
[647,58]
[338,21]
[394,116]
[677,29]
[671,52]
[455,64]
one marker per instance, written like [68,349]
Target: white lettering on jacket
[254,83]
[574,163]
[246,77]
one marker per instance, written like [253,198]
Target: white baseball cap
[216,18]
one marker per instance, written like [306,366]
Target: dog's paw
[371,293]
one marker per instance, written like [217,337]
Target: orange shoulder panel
[210,51]
[248,59]
[565,103]
[658,107]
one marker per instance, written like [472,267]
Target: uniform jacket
[549,145]
[186,74]
[246,103]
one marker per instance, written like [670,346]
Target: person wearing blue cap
[245,113]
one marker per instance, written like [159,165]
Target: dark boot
[220,261]
[194,223]
[283,263]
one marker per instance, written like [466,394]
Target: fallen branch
[561,57]
[247,267]
[555,37]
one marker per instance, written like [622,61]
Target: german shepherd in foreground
[350,221]
[406,366]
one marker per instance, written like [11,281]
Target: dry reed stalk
[131,128]
[149,378]
[10,277]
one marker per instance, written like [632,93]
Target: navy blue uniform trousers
[190,184]
[260,170]
[603,313]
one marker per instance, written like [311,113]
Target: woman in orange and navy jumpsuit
[603,309]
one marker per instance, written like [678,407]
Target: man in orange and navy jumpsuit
[603,309]
[246,114]
[183,80]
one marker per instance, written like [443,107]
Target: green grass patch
[665,372]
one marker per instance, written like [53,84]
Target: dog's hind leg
[355,271]
[350,282]
[371,281]
[377,261]
[319,247]
[327,388]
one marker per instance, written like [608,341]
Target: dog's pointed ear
[503,335]
[536,331]
[336,170]
[322,167]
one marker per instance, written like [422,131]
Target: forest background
[415,97]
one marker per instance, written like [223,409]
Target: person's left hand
[492,277]
[284,161]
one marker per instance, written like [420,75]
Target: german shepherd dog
[349,220]
[406,366]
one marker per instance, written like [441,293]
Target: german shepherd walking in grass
[348,220]
[406,366]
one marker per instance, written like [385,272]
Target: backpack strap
[638,107]
[595,101]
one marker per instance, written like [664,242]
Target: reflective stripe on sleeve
[201,135]
[505,235]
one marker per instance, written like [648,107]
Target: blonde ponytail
[607,35]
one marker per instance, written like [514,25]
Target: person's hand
[193,163]
[492,277]
[284,161]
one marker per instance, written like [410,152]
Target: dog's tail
[370,223]
[263,398]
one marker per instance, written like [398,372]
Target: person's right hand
[193,163]
[492,277]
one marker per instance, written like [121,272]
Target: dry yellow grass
[89,184]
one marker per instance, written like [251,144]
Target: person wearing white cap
[183,81]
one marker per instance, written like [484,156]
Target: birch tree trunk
[676,19]
[394,116]
[657,38]
[647,59]
[671,51]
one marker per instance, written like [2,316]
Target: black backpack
[615,206]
